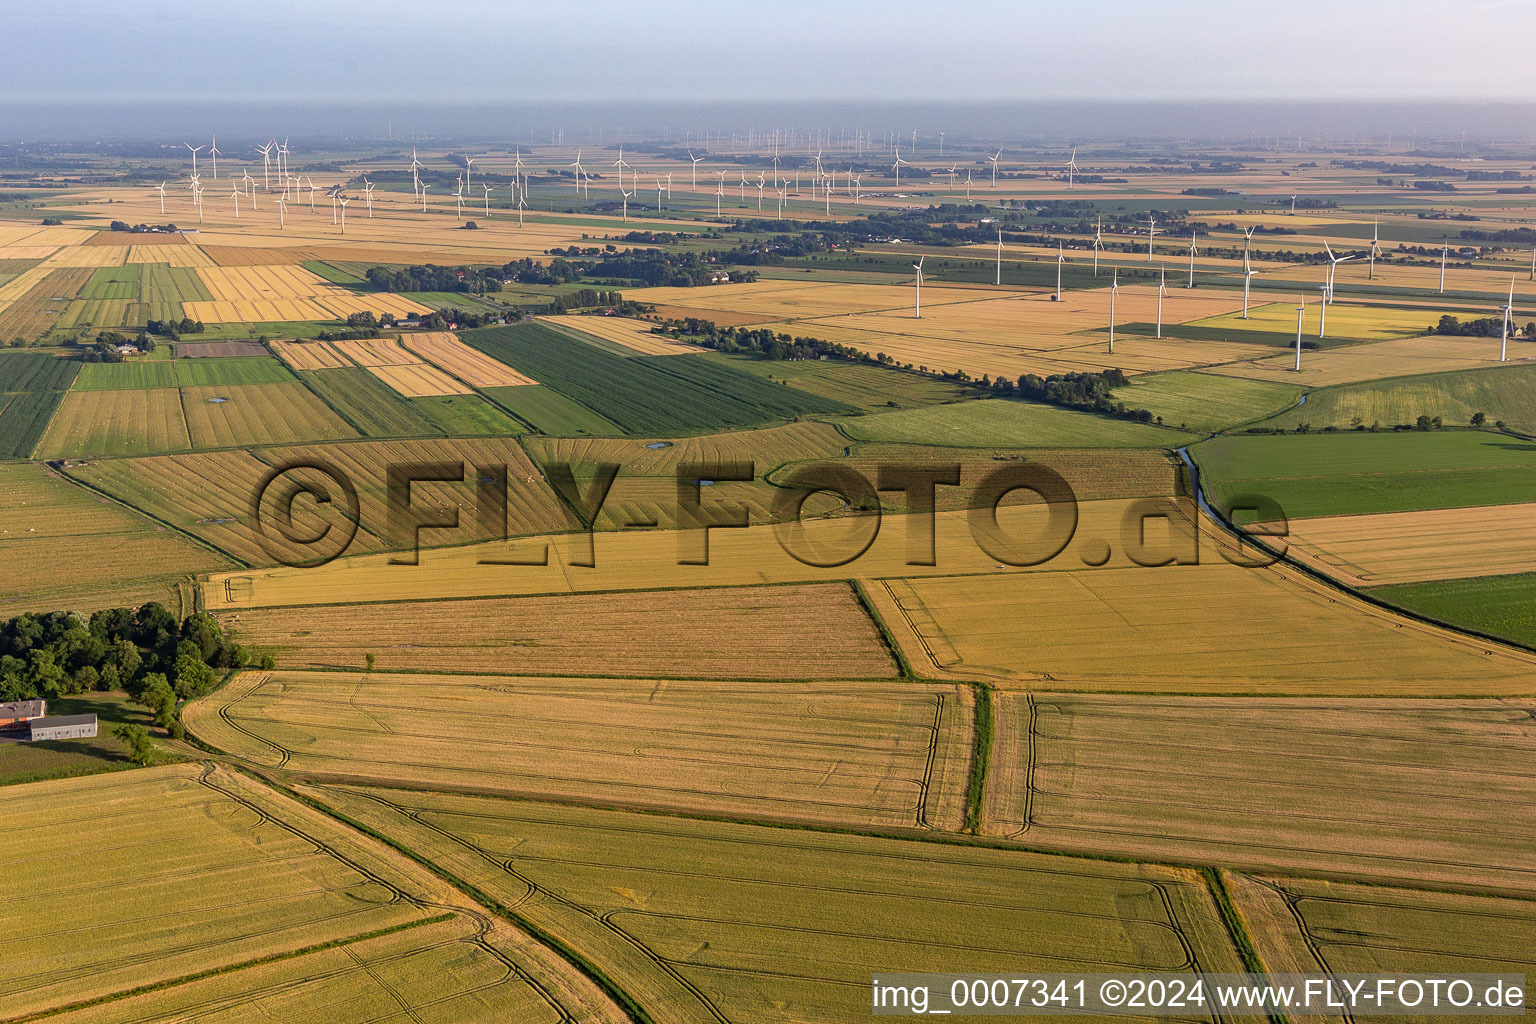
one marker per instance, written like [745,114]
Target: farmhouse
[62,727]
[16,712]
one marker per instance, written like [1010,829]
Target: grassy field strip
[867,754]
[1411,547]
[259,875]
[818,630]
[1502,606]
[1003,422]
[714,921]
[1202,401]
[1416,791]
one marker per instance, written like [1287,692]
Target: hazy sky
[490,51]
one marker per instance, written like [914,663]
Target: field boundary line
[63,470]
[1237,931]
[981,758]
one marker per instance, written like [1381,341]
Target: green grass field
[457,415]
[1203,401]
[23,418]
[1004,422]
[112,283]
[1505,393]
[163,288]
[1354,472]
[132,374]
[33,371]
[1502,606]
[551,412]
[647,395]
[861,385]
[332,273]
[372,406]
[233,370]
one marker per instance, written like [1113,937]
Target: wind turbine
[659,189]
[487,198]
[1248,273]
[1162,289]
[856,186]
[760,193]
[917,312]
[1333,263]
[1061,258]
[1375,247]
[1293,206]
[967,184]
[897,165]
[743,193]
[1192,236]
[469,164]
[194,150]
[1301,312]
[250,185]
[458,195]
[626,196]
[1444,251]
[1247,240]
[1098,243]
[999,255]
[235,194]
[522,204]
[282,208]
[1071,167]
[1151,230]
[213,154]
[416,178]
[1509,311]
[1114,290]
[343,200]
[695,168]
[368,196]
[424,186]
[1322,315]
[266,164]
[719,194]
[993,161]
[161,189]
[577,164]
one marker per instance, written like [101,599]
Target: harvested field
[58,541]
[127,238]
[263,876]
[162,250]
[134,421]
[42,305]
[419,380]
[737,633]
[720,922]
[1212,628]
[1409,547]
[218,349]
[316,355]
[285,292]
[468,364]
[1435,792]
[784,300]
[1370,929]
[857,753]
[1356,322]
[236,415]
[86,256]
[631,334]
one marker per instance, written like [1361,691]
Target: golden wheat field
[176,255]
[632,334]
[1212,628]
[1319,925]
[783,632]
[855,753]
[468,364]
[368,352]
[315,355]
[792,300]
[284,292]
[736,923]
[420,380]
[261,876]
[1405,547]
[247,414]
[1260,783]
[86,256]
[660,559]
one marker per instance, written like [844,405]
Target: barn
[13,713]
[62,727]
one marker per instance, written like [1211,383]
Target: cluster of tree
[367,319]
[529,271]
[1482,327]
[757,341]
[349,334]
[429,278]
[174,329]
[1429,185]
[1411,170]
[442,319]
[147,651]
[1307,203]
[104,348]
[143,229]
[1524,236]
[1424,422]
[1077,390]
[52,222]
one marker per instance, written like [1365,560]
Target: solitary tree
[1478,419]
[140,748]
